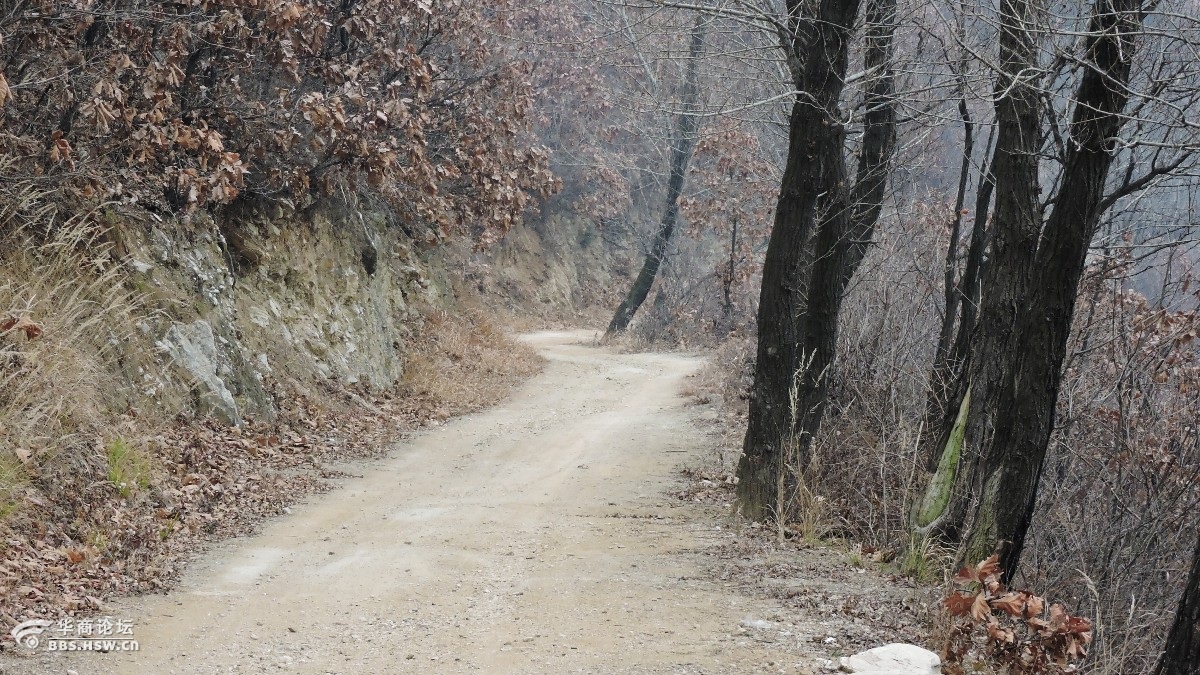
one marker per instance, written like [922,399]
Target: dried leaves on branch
[178,105]
[1013,629]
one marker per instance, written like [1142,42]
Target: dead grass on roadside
[463,362]
[63,312]
[98,502]
[725,381]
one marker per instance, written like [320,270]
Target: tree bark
[813,167]
[821,233]
[951,290]
[960,295]
[1023,415]
[727,280]
[1006,279]
[846,229]
[1181,656]
[947,386]
[684,143]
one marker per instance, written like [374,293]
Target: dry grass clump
[64,311]
[69,348]
[462,362]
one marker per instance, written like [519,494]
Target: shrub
[1013,630]
[177,105]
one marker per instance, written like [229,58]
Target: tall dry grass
[60,383]
[463,361]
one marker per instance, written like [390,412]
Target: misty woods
[955,243]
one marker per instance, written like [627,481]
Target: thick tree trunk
[681,155]
[814,163]
[1006,279]
[797,335]
[846,229]
[1023,418]
[1181,656]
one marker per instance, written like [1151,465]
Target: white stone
[893,659]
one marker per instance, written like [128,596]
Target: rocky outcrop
[192,349]
[258,295]
[264,295]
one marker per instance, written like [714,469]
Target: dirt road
[535,537]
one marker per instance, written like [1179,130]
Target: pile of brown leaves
[1012,629]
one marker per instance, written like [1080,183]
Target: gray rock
[193,349]
[759,624]
[893,659]
[259,317]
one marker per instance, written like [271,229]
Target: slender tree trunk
[947,386]
[1013,456]
[814,163]
[681,155]
[951,291]
[727,281]
[797,335]
[1181,656]
[941,381]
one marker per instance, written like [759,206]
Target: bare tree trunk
[951,291]
[727,281]
[1023,419]
[814,164]
[1181,656]
[947,386]
[943,374]
[847,228]
[1013,239]
[797,334]
[681,154]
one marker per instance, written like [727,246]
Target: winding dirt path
[535,537]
